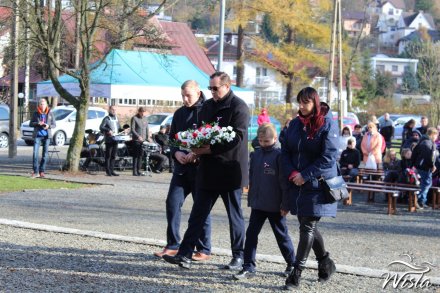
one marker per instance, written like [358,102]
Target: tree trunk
[76,143]
[289,88]
[240,57]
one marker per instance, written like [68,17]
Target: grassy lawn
[17,183]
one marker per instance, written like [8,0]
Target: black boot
[326,268]
[293,279]
[135,168]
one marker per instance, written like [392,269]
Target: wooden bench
[392,194]
[412,196]
[367,174]
[412,190]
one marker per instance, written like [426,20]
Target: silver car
[65,118]
[4,126]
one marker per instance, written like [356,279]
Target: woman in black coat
[309,154]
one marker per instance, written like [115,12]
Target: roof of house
[416,36]
[34,77]
[357,15]
[183,42]
[408,18]
[229,50]
[400,4]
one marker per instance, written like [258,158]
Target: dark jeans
[203,204]
[279,228]
[353,172]
[111,150]
[425,185]
[181,185]
[43,141]
[137,157]
[309,238]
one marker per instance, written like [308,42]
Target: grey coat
[139,127]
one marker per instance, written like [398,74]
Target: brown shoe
[170,252]
[200,256]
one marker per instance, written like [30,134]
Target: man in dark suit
[223,171]
[183,181]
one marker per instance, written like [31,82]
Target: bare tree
[97,22]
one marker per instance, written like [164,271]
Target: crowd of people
[281,180]
[372,148]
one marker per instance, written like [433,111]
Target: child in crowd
[391,166]
[350,160]
[267,198]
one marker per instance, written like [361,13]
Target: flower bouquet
[207,134]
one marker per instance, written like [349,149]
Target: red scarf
[314,121]
[40,111]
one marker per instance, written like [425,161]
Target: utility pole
[13,100]
[222,35]
[336,37]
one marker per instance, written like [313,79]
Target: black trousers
[309,238]
[111,150]
[202,206]
[279,228]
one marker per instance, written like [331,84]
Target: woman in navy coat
[309,153]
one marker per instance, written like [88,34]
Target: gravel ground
[362,235]
[35,261]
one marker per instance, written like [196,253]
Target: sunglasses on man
[215,88]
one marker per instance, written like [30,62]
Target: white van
[65,118]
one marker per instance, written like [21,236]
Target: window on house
[391,11]
[127,101]
[380,68]
[395,68]
[234,70]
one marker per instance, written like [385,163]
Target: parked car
[157,120]
[4,126]
[400,120]
[65,117]
[349,115]
[253,126]
[347,121]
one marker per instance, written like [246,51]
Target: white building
[258,76]
[396,66]
[389,15]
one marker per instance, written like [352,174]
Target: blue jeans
[425,185]
[44,141]
[181,185]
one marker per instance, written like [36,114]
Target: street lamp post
[21,103]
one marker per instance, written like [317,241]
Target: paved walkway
[363,239]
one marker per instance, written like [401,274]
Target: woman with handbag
[309,153]
[372,146]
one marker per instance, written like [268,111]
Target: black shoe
[108,174]
[179,260]
[244,274]
[326,268]
[235,264]
[157,171]
[114,174]
[293,279]
[288,271]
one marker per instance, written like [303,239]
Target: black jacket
[350,156]
[387,130]
[109,123]
[185,118]
[423,155]
[226,168]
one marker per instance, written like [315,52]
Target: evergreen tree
[410,84]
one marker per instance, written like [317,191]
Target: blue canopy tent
[139,75]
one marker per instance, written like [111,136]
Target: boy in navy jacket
[268,199]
